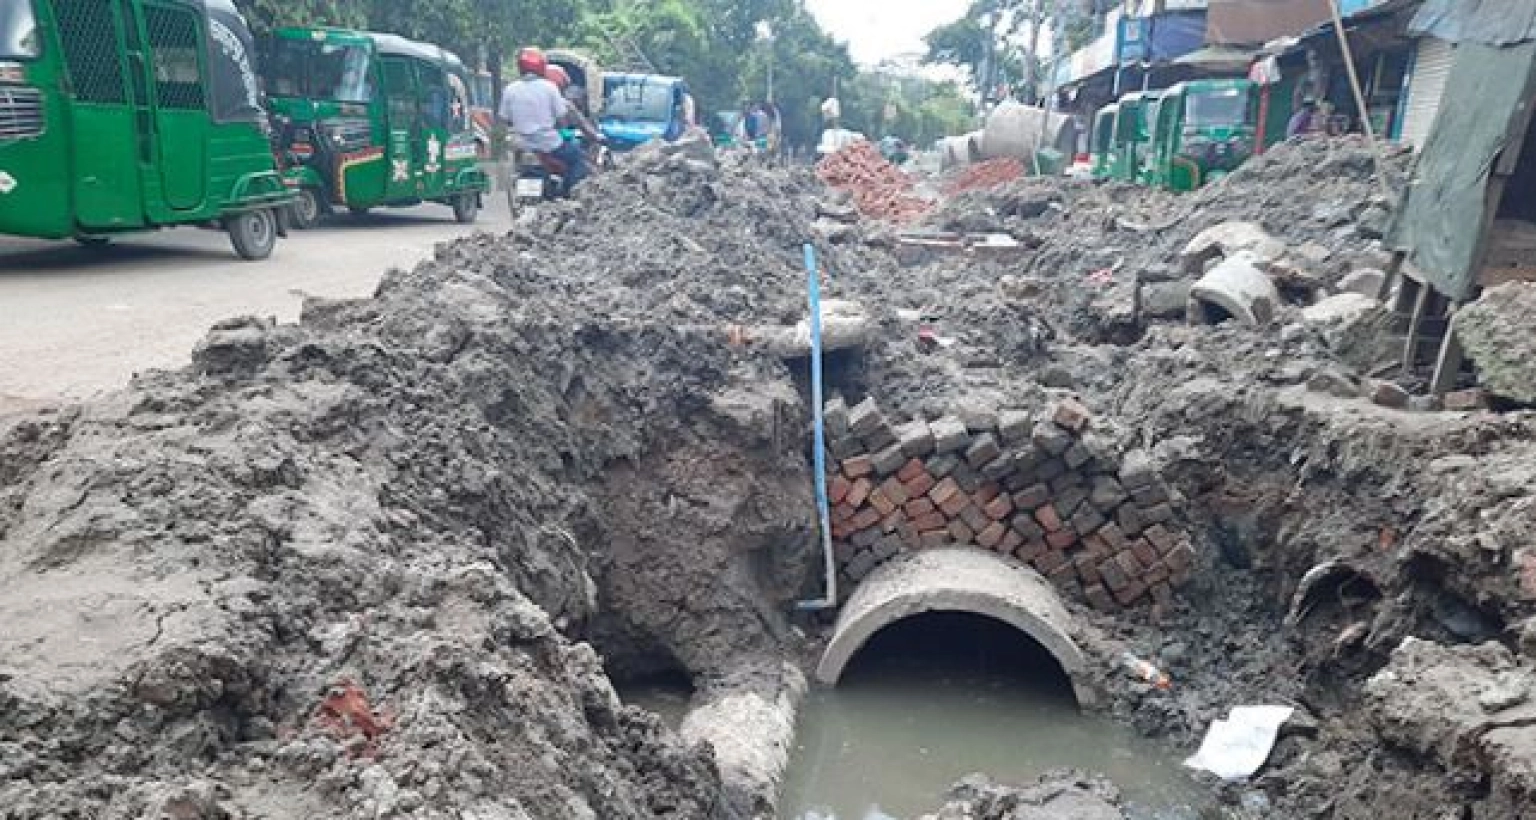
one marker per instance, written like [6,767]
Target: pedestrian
[1301,122]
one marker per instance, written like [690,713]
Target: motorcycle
[536,178]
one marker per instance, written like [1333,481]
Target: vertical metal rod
[823,508]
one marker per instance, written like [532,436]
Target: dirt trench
[388,562]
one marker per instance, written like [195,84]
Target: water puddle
[935,698]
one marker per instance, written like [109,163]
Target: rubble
[881,190]
[1057,795]
[390,560]
[1495,330]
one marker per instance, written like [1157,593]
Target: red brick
[1032,497]
[867,517]
[858,466]
[1061,539]
[1032,550]
[919,486]
[974,518]
[961,533]
[935,538]
[1162,593]
[1048,518]
[909,535]
[859,492]
[911,470]
[985,493]
[837,489]
[1464,400]
[882,504]
[1161,538]
[1180,558]
[1011,541]
[1051,561]
[943,491]
[1144,552]
[1114,577]
[1131,594]
[998,508]
[894,490]
[1157,573]
[1072,415]
[1113,536]
[1130,563]
[919,507]
[1100,598]
[1096,545]
[992,536]
[1087,569]
[841,530]
[932,521]
[954,504]
[843,511]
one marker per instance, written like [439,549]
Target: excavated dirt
[358,567]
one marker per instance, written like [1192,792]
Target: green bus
[133,115]
[374,120]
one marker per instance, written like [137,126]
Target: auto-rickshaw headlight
[12,73]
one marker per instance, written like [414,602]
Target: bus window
[400,90]
[321,71]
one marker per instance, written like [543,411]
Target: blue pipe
[823,508]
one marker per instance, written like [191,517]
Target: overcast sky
[877,29]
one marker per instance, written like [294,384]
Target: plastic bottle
[1145,671]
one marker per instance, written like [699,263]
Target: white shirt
[533,107]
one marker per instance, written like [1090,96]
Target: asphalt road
[77,321]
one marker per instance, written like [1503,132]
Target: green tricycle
[130,116]
[372,120]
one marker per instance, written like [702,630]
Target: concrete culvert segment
[956,579]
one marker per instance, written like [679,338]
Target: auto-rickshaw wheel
[306,210]
[253,233]
[466,207]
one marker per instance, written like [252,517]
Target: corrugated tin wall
[1426,87]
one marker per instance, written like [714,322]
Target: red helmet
[557,75]
[531,61]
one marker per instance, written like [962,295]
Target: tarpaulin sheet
[1491,22]
[1444,216]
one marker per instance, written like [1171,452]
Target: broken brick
[1145,552]
[1072,415]
[935,538]
[1050,562]
[867,517]
[932,521]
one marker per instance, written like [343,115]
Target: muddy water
[935,698]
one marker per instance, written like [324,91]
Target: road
[77,321]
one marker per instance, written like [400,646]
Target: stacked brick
[1100,527]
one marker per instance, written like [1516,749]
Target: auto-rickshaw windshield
[638,101]
[320,71]
[1227,106]
[18,30]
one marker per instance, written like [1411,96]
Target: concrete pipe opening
[956,580]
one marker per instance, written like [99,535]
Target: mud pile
[340,569]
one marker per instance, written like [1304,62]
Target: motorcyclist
[533,108]
[576,116]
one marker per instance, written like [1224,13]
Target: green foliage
[919,111]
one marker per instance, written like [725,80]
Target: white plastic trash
[1236,748]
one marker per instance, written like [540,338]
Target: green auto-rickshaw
[130,116]
[373,120]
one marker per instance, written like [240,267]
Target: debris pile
[988,174]
[881,190]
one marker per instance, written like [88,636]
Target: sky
[878,29]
